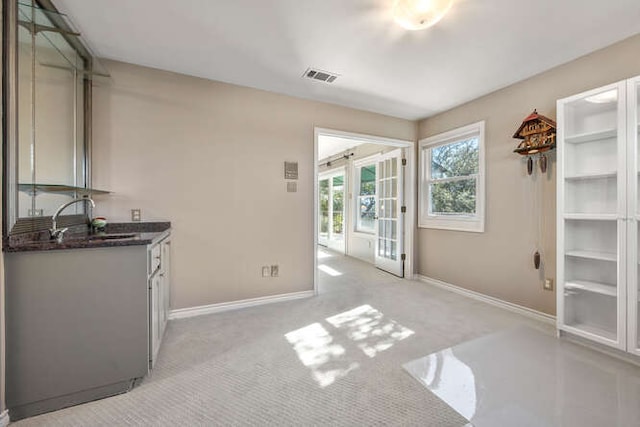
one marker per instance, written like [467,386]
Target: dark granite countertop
[80,237]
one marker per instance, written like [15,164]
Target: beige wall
[499,262]
[209,157]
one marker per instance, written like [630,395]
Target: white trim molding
[4,418]
[451,221]
[183,313]
[525,311]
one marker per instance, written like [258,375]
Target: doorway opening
[363,203]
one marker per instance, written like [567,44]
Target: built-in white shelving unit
[597,135]
[598,288]
[600,175]
[598,214]
[602,256]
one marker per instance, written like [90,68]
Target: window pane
[338,180]
[456,159]
[368,180]
[324,206]
[367,212]
[338,208]
[457,197]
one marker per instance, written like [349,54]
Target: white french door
[331,215]
[389,247]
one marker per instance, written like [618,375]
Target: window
[452,180]
[365,195]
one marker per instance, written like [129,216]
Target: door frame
[410,194]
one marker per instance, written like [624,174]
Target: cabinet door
[154,327]
[633,138]
[166,262]
[162,313]
[592,211]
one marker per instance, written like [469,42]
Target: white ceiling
[331,145]
[480,46]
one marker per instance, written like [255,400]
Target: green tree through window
[454,169]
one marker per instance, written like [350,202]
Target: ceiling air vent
[323,76]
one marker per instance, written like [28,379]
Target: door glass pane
[324,207]
[394,252]
[338,208]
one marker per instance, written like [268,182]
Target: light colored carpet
[331,360]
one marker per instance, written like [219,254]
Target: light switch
[292,187]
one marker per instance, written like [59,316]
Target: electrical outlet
[136,215]
[266,271]
[548,285]
[274,270]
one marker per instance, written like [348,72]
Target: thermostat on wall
[290,170]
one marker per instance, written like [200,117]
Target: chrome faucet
[58,233]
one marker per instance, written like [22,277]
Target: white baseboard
[183,313]
[4,418]
[525,311]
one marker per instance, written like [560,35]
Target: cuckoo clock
[538,135]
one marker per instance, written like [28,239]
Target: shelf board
[591,176]
[594,217]
[60,189]
[602,256]
[591,136]
[595,287]
[595,330]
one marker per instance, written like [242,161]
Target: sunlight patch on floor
[316,350]
[322,254]
[367,327]
[330,271]
[363,326]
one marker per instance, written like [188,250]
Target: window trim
[470,223]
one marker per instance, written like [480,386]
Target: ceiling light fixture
[420,14]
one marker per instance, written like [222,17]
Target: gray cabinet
[82,324]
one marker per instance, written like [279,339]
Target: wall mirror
[50,146]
